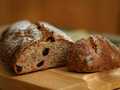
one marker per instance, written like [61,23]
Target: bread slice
[28,47]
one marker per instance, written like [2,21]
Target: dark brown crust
[7,52]
[45,32]
[93,54]
[3,35]
[52,31]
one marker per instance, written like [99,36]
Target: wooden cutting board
[59,79]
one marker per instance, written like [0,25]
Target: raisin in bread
[28,47]
[93,54]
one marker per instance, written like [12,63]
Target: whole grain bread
[28,47]
[94,54]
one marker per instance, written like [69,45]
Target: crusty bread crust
[21,38]
[93,54]
[57,33]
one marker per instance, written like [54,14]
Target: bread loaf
[94,54]
[28,47]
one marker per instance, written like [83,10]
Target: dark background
[93,15]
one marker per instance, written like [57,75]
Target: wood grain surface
[59,79]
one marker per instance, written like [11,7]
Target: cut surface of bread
[40,56]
